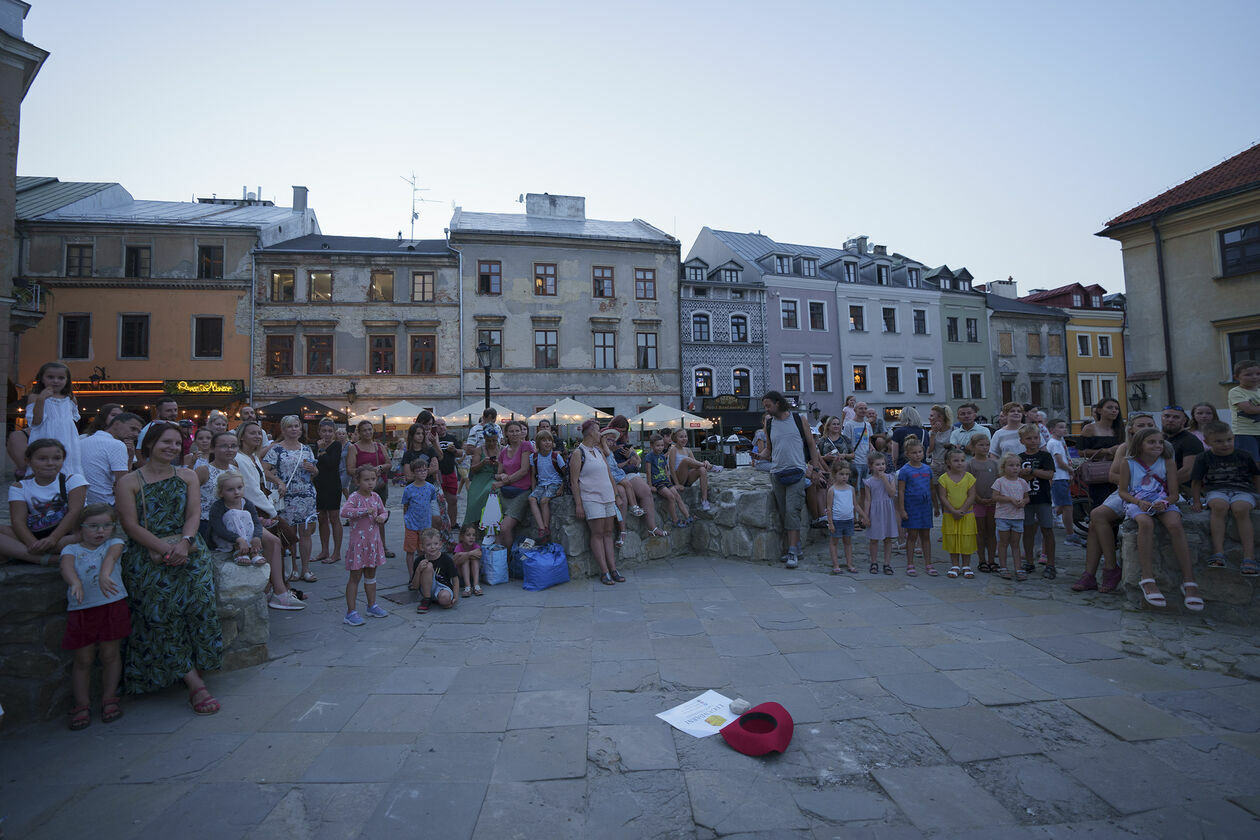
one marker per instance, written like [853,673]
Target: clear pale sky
[999,136]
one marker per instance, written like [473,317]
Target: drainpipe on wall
[460,298]
[1163,310]
[253,324]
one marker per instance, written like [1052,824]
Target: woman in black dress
[1100,440]
[328,454]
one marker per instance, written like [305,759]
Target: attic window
[850,272]
[730,275]
[881,275]
[1096,300]
[912,278]
[809,267]
[782,265]
[1077,300]
[695,273]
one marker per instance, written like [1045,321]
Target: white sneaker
[287,601]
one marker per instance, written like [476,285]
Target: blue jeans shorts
[1229,496]
[1060,492]
[844,527]
[1016,525]
[545,491]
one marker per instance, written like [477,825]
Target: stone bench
[35,671]
[1229,596]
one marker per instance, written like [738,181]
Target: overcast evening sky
[999,136]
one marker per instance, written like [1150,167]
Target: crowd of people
[142,601]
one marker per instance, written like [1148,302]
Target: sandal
[1049,572]
[389,553]
[80,718]
[930,569]
[658,532]
[1110,579]
[1085,583]
[874,569]
[888,570]
[207,705]
[621,539]
[983,567]
[477,590]
[1156,598]
[852,570]
[1216,561]
[617,577]
[332,560]
[258,560]
[110,710]
[1004,573]
[835,570]
[1194,602]
[293,577]
[606,579]
[242,560]
[1249,567]
[911,571]
[309,576]
[1021,575]
[954,571]
[322,558]
[968,574]
[466,592]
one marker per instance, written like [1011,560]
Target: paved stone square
[924,707]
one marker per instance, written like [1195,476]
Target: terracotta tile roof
[1242,171]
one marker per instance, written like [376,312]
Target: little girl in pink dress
[365,551]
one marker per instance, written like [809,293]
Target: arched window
[704,382]
[699,327]
[741,382]
[739,328]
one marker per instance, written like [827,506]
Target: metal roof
[519,224]
[176,213]
[39,195]
[317,243]
[1019,307]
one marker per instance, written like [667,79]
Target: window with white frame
[792,377]
[1083,346]
[956,386]
[704,382]
[739,328]
[820,375]
[920,322]
[1087,393]
[817,315]
[890,319]
[730,275]
[605,350]
[1104,345]
[857,319]
[881,275]
[1077,300]
[892,380]
[860,380]
[923,381]
[912,278]
[809,267]
[741,382]
[789,312]
[700,327]
[782,265]
[850,272]
[695,274]
[1096,300]
[977,386]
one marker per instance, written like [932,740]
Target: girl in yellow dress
[958,524]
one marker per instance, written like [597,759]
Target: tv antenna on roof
[415,214]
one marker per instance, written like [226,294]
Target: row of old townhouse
[221,301]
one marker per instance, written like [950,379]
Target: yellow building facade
[1095,362]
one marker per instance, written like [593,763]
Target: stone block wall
[1229,596]
[35,671]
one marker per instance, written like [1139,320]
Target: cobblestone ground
[924,707]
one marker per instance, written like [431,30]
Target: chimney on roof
[881,250]
[299,199]
[556,206]
[857,243]
[1005,288]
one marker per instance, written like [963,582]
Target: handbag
[492,513]
[1094,471]
[789,476]
[279,503]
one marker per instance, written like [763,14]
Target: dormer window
[809,267]
[1097,301]
[1077,300]
[912,278]
[782,265]
[730,275]
[695,273]
[850,272]
[881,275]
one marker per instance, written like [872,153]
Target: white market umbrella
[459,417]
[567,411]
[401,413]
[659,416]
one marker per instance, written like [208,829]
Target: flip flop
[852,570]
[835,570]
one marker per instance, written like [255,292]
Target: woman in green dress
[485,463]
[175,631]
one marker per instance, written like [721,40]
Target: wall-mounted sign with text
[218,387]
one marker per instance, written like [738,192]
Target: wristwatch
[186,537]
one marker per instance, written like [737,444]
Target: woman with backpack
[789,447]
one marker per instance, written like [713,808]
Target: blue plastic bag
[494,564]
[545,566]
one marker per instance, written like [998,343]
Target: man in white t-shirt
[103,457]
[858,431]
[477,434]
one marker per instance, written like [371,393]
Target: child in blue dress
[914,506]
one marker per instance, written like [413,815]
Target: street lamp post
[483,359]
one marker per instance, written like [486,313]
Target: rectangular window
[321,285]
[424,354]
[704,382]
[210,262]
[1037,392]
[1083,345]
[820,374]
[381,287]
[951,329]
[850,272]
[1240,249]
[729,275]
[792,377]
[881,275]
[699,327]
[645,350]
[739,328]
[977,387]
[1054,344]
[319,354]
[787,311]
[1006,344]
[133,336]
[920,322]
[1104,345]
[208,337]
[279,355]
[494,339]
[912,278]
[1087,393]
[381,354]
[76,336]
[545,279]
[695,274]
[817,315]
[282,285]
[546,349]
[700,293]
[1242,345]
[1077,300]
[1107,389]
[782,265]
[78,260]
[973,331]
[890,319]
[737,294]
[1096,301]
[809,268]
[489,277]
[741,382]
[645,283]
[857,319]
[605,351]
[860,382]
[1008,391]
[602,282]
[138,261]
[956,386]
[1034,344]
[923,380]
[423,288]
[892,380]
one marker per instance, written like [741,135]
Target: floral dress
[299,494]
[364,549]
[174,614]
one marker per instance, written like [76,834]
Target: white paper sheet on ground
[700,717]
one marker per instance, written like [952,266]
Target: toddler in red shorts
[98,618]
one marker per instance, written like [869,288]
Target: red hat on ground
[764,728]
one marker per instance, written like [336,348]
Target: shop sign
[204,386]
[725,402]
